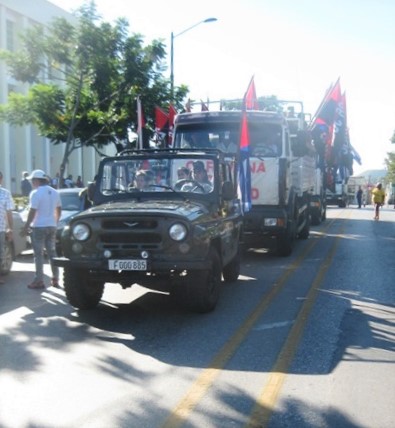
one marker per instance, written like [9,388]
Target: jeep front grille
[138,238]
[117,224]
[120,234]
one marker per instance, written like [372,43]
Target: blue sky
[295,50]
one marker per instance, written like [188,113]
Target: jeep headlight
[81,232]
[178,232]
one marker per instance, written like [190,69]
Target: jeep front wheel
[203,287]
[81,291]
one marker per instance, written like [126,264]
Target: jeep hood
[190,209]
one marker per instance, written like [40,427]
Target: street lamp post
[172,37]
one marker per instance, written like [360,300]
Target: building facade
[22,148]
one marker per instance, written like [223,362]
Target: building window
[10,35]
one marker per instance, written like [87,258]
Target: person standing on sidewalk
[26,186]
[44,213]
[378,196]
[359,196]
[6,219]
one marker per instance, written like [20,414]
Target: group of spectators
[55,182]
[67,183]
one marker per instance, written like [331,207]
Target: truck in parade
[283,167]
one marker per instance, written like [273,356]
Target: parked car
[15,247]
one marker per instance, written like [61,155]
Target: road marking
[205,380]
[267,400]
[272,325]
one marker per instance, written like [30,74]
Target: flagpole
[139,124]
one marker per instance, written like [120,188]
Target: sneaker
[55,283]
[36,285]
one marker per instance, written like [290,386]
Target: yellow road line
[204,381]
[267,400]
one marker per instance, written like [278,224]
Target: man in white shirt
[6,220]
[43,216]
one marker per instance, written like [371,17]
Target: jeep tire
[81,291]
[200,289]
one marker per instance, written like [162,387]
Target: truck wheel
[285,243]
[231,271]
[82,292]
[305,232]
[203,286]
[8,258]
[315,219]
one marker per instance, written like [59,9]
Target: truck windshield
[265,138]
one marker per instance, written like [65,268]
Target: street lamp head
[210,20]
[172,37]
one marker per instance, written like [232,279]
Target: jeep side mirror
[227,191]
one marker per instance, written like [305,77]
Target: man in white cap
[43,216]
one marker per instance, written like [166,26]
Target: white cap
[38,173]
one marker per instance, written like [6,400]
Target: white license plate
[127,264]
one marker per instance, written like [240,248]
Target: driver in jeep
[199,182]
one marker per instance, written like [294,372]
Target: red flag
[172,115]
[250,98]
[327,110]
[324,119]
[204,106]
[244,178]
[161,119]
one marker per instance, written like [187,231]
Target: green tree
[390,163]
[84,81]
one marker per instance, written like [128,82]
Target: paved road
[304,341]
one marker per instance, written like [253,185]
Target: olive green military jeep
[168,220]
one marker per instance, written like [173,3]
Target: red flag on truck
[161,119]
[326,113]
[250,98]
[244,182]
[172,115]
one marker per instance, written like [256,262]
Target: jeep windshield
[154,175]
